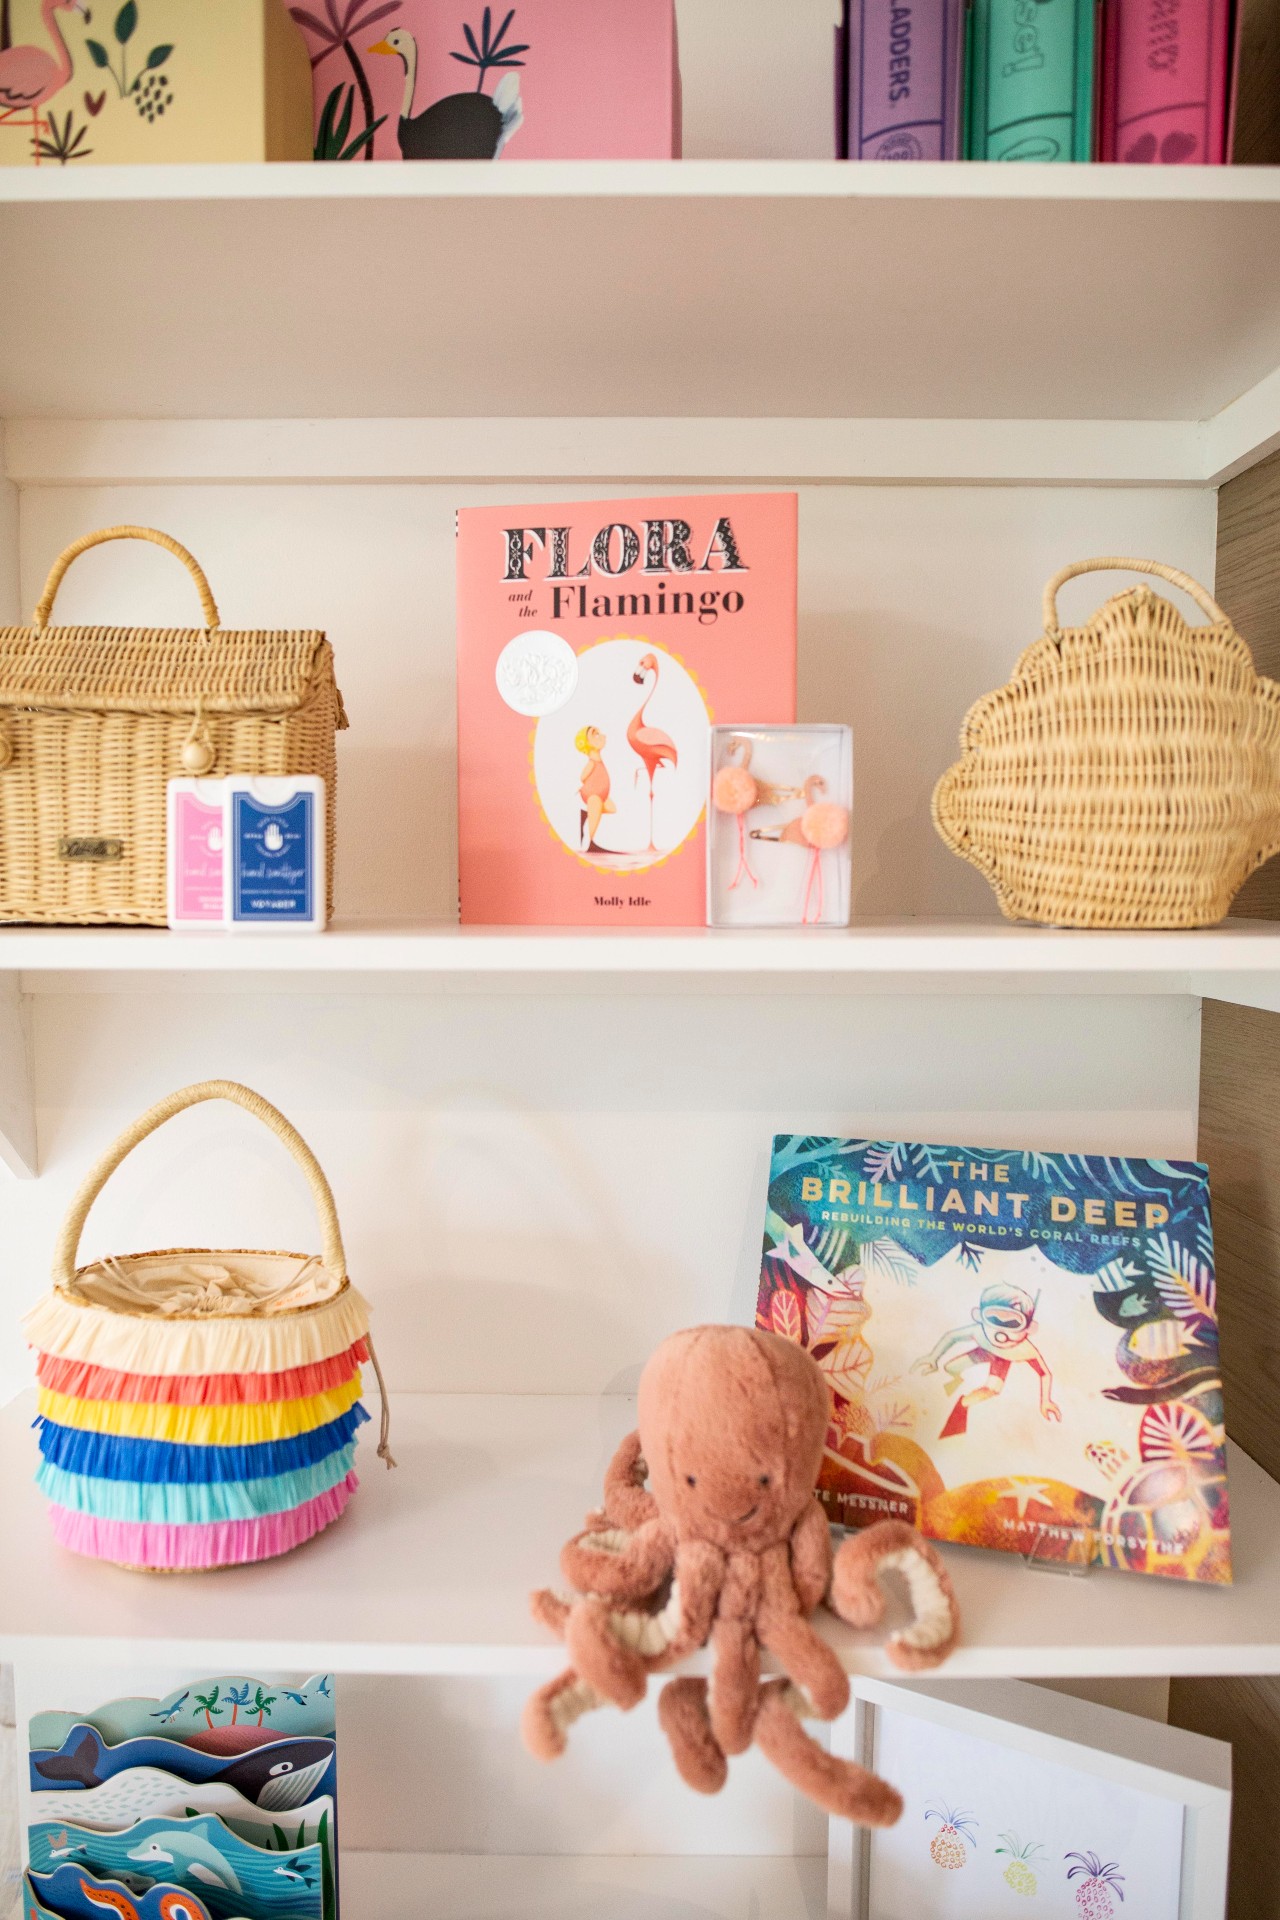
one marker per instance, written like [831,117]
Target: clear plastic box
[778,822]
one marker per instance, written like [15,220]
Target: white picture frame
[1039,1726]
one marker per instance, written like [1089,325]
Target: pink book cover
[597,642]
[524,80]
[1165,81]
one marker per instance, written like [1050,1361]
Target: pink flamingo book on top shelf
[596,644]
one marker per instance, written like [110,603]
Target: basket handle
[1205,601]
[44,606]
[64,1256]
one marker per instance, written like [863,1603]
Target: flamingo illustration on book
[654,747]
[30,76]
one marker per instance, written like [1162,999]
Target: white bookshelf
[547,1145]
[429,1572]
[822,319]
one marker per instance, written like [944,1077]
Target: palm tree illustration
[237,1697]
[489,52]
[343,20]
[207,1703]
[262,1704]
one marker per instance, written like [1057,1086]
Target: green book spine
[1031,96]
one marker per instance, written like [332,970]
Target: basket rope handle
[44,606]
[64,1256]
[1205,601]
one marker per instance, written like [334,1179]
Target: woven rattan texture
[93,722]
[1128,775]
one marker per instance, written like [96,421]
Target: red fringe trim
[83,1381]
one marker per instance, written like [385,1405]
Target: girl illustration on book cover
[593,785]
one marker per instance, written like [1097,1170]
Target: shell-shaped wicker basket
[1128,775]
[199,1408]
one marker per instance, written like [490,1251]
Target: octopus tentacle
[735,1684]
[840,1786]
[682,1714]
[627,1501]
[856,1594]
[551,1711]
[614,1564]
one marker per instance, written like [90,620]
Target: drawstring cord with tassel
[384,1431]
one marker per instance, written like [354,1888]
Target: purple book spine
[906,60]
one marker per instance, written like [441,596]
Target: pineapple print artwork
[1098,1883]
[1020,1872]
[955,1830]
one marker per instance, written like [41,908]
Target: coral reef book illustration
[596,643]
[1022,1348]
[217,1802]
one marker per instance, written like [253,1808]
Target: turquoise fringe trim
[176,1504]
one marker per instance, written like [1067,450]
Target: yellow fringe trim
[244,1426]
[129,1343]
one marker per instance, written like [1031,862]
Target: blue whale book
[1022,1348]
[215,1801]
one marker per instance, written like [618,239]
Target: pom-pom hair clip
[736,790]
[824,824]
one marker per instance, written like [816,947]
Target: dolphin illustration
[279,1777]
[188,1854]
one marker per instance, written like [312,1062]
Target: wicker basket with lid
[94,721]
[1128,775]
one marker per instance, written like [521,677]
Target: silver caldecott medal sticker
[537,673]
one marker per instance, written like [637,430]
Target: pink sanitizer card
[196,832]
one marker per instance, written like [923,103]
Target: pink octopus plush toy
[711,1533]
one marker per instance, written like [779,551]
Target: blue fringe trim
[110,1456]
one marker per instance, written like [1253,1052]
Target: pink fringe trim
[81,1380]
[221,1543]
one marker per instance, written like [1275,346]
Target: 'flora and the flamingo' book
[597,642]
[1022,1348]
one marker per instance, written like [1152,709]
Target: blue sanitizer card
[275,867]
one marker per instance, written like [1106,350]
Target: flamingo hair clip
[734,791]
[822,826]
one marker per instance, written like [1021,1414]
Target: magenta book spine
[1165,82]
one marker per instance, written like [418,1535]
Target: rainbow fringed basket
[198,1408]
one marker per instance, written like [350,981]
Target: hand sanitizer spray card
[275,853]
[195,849]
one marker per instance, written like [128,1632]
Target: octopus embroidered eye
[691,1480]
[764,1479]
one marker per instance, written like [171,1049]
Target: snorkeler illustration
[997,1334]
[593,790]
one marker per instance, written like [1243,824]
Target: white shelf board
[721,289]
[487,1886]
[1237,961]
[430,1570]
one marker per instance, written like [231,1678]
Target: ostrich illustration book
[1022,1347]
[466,80]
[596,642]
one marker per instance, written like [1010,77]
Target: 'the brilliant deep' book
[1022,1348]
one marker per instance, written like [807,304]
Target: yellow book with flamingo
[597,642]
